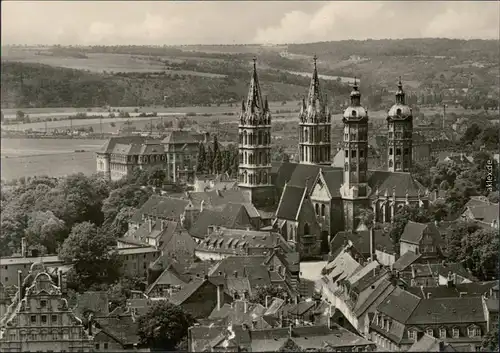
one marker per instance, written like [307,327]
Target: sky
[242,22]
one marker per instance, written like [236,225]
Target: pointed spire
[400,94]
[254,98]
[243,105]
[355,94]
[266,104]
[314,90]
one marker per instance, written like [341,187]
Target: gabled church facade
[315,200]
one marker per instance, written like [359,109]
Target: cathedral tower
[255,145]
[315,126]
[354,189]
[399,136]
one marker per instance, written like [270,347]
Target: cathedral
[314,199]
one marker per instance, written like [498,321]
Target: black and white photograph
[249,176]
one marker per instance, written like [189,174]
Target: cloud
[379,20]
[467,21]
[224,22]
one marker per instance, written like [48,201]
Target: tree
[201,161]
[164,326]
[130,195]
[490,341]
[471,134]
[261,293]
[493,197]
[366,216]
[156,176]
[119,226]
[89,251]
[20,115]
[454,236]
[480,253]
[46,229]
[217,168]
[209,161]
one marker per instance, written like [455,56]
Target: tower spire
[355,94]
[254,98]
[400,94]
[314,91]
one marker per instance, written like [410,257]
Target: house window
[398,151]
[346,153]
[317,209]
[477,332]
[361,154]
[306,229]
[442,333]
[323,207]
[412,334]
[44,319]
[105,346]
[33,319]
[390,151]
[43,303]
[430,332]
[97,346]
[456,333]
[353,153]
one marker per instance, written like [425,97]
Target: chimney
[90,323]
[235,274]
[372,243]
[201,205]
[220,296]
[245,306]
[23,247]
[59,279]
[20,283]
[150,225]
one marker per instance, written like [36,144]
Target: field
[29,157]
[98,62]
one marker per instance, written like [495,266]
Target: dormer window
[474,331]
[430,332]
[456,333]
[442,332]
[412,334]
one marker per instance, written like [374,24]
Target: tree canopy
[164,326]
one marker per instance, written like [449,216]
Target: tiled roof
[405,260]
[302,175]
[235,240]
[414,232]
[276,304]
[333,180]
[477,201]
[4,261]
[183,137]
[473,289]
[361,241]
[219,199]
[380,292]
[231,216]
[185,293]
[402,183]
[125,140]
[492,305]
[399,305]
[169,276]
[425,344]
[121,327]
[290,203]
[163,207]
[232,264]
[447,311]
[136,251]
[485,213]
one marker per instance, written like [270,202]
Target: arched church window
[241,138]
[257,177]
[306,135]
[317,209]
[323,207]
[398,165]
[354,113]
[245,138]
[346,167]
[306,229]
[264,178]
[260,137]
[398,112]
